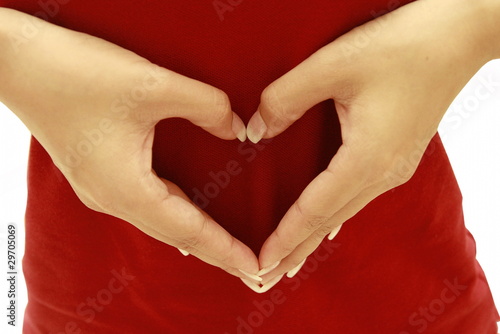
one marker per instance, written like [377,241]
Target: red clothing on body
[405,264]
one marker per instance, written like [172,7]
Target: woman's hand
[93,106]
[392,80]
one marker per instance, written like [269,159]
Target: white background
[470,131]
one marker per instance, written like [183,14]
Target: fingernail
[268,269]
[185,253]
[295,270]
[256,128]
[255,287]
[266,287]
[252,276]
[334,232]
[239,128]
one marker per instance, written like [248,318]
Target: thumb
[288,98]
[201,104]
[166,213]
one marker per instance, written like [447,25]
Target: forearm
[20,34]
[12,37]
[469,28]
[7,27]
[487,23]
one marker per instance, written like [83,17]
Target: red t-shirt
[405,264]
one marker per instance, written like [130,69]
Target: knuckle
[311,222]
[89,204]
[96,204]
[227,269]
[399,171]
[100,200]
[189,244]
[272,101]
[314,222]
[286,247]
[193,240]
[405,177]
[269,96]
[106,205]
[323,230]
[222,105]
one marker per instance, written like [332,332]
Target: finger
[329,192]
[262,288]
[169,216]
[285,100]
[176,95]
[292,263]
[203,257]
[175,190]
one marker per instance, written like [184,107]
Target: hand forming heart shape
[390,95]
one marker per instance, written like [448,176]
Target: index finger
[202,104]
[328,193]
[169,216]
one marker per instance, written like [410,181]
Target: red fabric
[405,264]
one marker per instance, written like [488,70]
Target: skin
[87,76]
[390,96]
